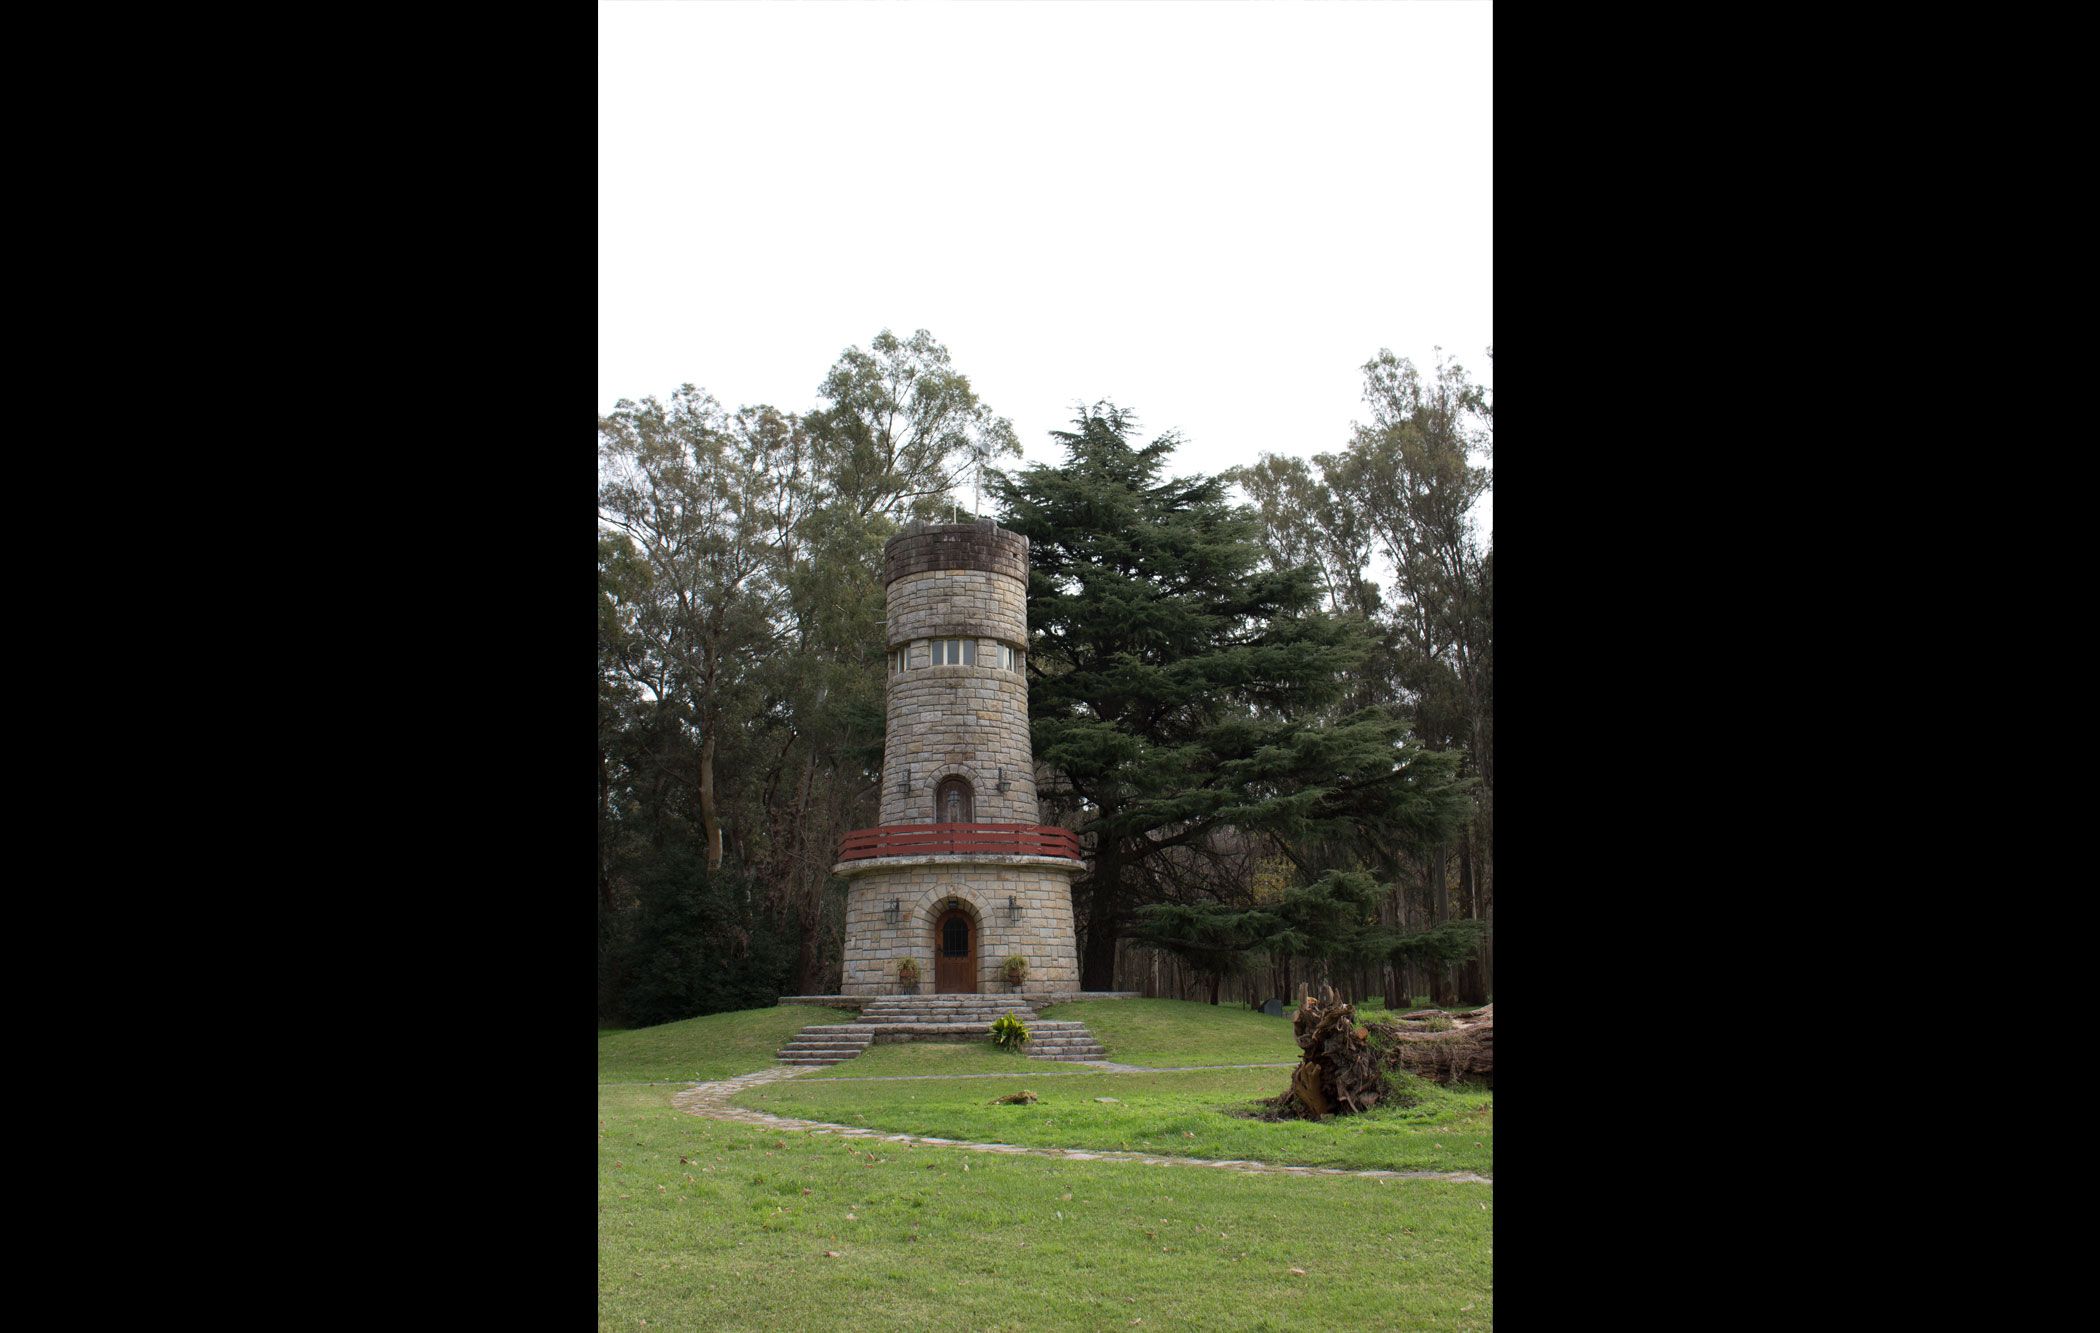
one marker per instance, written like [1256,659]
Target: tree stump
[1345,1063]
[1305,1086]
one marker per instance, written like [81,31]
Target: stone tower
[959,876]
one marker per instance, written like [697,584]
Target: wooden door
[954,954]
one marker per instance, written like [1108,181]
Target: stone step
[945,1016]
[824,1044]
[885,1032]
[887,1000]
[1018,1001]
[948,1008]
[873,1012]
[980,1020]
[829,1043]
[1032,996]
[931,1021]
[1063,1040]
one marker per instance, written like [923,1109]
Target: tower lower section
[909,907]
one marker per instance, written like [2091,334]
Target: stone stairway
[825,1044]
[1061,1041]
[889,1018]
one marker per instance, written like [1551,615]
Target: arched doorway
[955,953]
[951,801]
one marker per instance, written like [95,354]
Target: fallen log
[1346,1063]
[1462,1046]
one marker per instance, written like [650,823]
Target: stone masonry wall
[982,545]
[966,720]
[958,604]
[1042,934]
[958,581]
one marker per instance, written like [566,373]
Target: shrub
[691,944]
[1009,1033]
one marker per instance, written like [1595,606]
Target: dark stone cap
[981,545]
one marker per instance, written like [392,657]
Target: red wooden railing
[952,839]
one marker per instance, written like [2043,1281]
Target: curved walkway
[712,1101]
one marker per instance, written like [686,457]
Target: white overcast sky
[1211,213]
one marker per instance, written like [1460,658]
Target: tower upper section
[956,746]
[983,546]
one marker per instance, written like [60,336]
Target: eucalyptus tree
[707,503]
[902,431]
[1417,476]
[1397,504]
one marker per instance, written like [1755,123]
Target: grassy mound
[1202,1113]
[1182,1032]
[712,1046]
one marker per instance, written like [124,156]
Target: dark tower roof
[982,545]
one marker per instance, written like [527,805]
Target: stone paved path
[712,1100]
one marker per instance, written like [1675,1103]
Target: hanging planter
[1016,971]
[908,976]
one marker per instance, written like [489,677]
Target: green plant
[1009,1033]
[1016,969]
[908,972]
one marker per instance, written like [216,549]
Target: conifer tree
[1176,685]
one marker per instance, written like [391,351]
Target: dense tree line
[1273,756]
[1388,524]
[740,658]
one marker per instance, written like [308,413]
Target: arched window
[951,802]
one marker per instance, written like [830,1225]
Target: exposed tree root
[1346,1063]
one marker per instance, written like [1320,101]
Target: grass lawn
[714,1046]
[738,1235]
[1182,1114]
[1182,1032]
